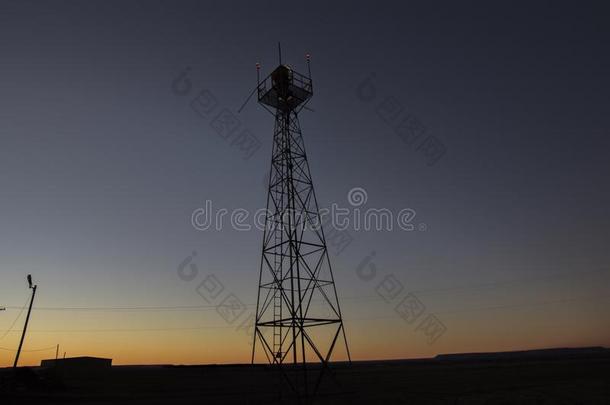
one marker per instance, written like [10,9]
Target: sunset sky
[103,161]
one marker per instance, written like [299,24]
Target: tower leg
[297,299]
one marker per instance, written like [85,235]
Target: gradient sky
[102,164]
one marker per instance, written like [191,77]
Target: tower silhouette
[298,317]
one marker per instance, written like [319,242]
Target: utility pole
[27,319]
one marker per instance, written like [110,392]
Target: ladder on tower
[277,293]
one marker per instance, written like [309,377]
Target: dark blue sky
[102,164]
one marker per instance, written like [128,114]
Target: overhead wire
[6,332]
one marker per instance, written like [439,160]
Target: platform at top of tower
[285,89]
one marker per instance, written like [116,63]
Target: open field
[548,380]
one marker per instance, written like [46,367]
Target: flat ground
[461,381]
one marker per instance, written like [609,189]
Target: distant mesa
[540,354]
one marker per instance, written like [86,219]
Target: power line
[14,321]
[491,308]
[356,298]
[125,309]
[525,305]
[30,350]
[159,308]
[495,284]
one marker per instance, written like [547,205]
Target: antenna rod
[279,49]
[27,319]
[258,79]
[308,57]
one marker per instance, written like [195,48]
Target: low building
[86,364]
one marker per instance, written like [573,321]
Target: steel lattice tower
[298,317]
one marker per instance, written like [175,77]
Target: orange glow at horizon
[373,340]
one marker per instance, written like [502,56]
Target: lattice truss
[298,317]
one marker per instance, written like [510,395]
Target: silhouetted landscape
[322,202]
[554,376]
